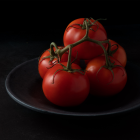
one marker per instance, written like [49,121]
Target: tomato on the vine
[119,55]
[64,88]
[44,65]
[87,49]
[102,82]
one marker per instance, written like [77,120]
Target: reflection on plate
[24,85]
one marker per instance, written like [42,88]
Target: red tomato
[99,81]
[87,49]
[44,65]
[119,55]
[65,88]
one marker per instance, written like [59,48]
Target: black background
[26,30]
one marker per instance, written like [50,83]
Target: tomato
[44,65]
[102,83]
[65,88]
[87,49]
[119,55]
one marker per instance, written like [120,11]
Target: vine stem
[51,48]
[69,59]
[59,52]
[87,38]
[105,52]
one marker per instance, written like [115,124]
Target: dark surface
[26,31]
[24,85]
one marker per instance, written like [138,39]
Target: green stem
[105,52]
[69,59]
[85,38]
[51,48]
[97,19]
[72,45]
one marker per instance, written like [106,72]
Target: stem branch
[85,38]
[51,48]
[69,59]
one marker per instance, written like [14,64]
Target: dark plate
[24,85]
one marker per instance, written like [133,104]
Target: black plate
[24,85]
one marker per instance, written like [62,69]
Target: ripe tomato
[99,81]
[87,49]
[65,88]
[44,65]
[119,55]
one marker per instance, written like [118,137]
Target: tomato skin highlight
[87,49]
[45,65]
[68,89]
[101,87]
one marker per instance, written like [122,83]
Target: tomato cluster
[65,83]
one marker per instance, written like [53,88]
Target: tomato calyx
[110,66]
[89,24]
[110,53]
[68,67]
[70,71]
[85,38]
[53,54]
